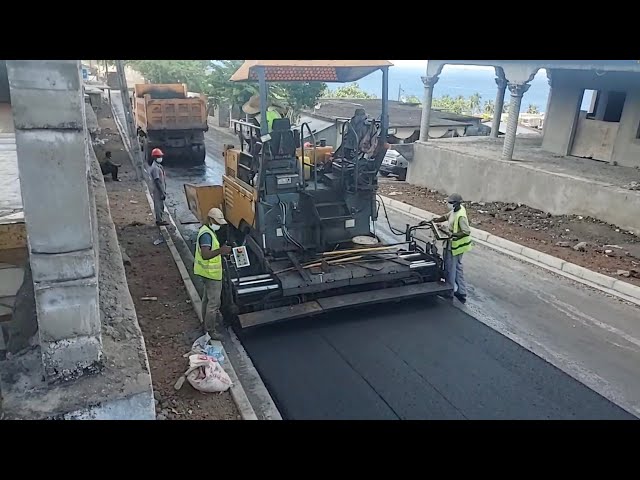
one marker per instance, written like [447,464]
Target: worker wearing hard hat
[274,111]
[208,265]
[158,185]
[458,244]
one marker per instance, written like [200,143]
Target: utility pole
[126,106]
[106,79]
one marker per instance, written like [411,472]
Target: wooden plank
[13,235]
[14,256]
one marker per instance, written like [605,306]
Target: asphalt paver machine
[303,216]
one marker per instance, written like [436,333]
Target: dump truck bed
[169,107]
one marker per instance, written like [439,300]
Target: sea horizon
[454,81]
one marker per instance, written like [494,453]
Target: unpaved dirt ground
[169,324]
[609,250]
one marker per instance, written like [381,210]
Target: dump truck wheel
[197,157]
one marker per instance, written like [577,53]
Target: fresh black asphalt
[419,360]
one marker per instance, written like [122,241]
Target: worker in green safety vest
[208,265]
[252,108]
[458,244]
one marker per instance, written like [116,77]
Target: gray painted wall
[493,180]
[5,96]
[560,121]
[566,96]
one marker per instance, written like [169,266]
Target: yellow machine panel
[202,198]
[239,202]
[231,156]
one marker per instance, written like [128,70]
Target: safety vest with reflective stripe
[460,245]
[212,268]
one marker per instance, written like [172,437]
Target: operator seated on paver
[252,108]
[208,265]
[459,243]
[158,185]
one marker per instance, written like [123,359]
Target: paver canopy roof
[342,71]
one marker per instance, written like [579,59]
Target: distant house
[522,129]
[327,118]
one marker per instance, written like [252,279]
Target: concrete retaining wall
[490,180]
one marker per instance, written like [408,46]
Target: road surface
[433,360]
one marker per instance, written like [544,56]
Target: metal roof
[340,71]
[317,125]
[401,115]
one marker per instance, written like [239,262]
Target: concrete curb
[238,393]
[604,283]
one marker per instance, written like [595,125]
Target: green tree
[447,103]
[474,103]
[489,107]
[533,109]
[411,99]
[351,90]
[224,91]
[297,95]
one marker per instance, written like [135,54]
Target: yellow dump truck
[168,117]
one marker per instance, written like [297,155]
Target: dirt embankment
[584,241]
[169,323]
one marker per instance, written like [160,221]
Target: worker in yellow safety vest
[208,265]
[252,108]
[458,244]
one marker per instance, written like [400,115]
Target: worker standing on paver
[208,265]
[459,243]
[158,185]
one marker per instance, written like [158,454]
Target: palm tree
[489,107]
[474,102]
[533,109]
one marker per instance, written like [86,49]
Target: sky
[423,64]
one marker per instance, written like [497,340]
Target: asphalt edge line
[238,393]
[609,285]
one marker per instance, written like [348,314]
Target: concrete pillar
[517,91]
[429,83]
[53,161]
[501,82]
[546,110]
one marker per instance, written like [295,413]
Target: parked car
[394,164]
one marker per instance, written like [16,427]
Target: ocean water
[454,81]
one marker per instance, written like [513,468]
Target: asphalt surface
[430,360]
[418,361]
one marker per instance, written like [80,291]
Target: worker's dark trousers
[112,169]
[454,272]
[158,204]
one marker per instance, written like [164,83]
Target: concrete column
[53,161]
[517,91]
[546,110]
[501,82]
[429,83]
